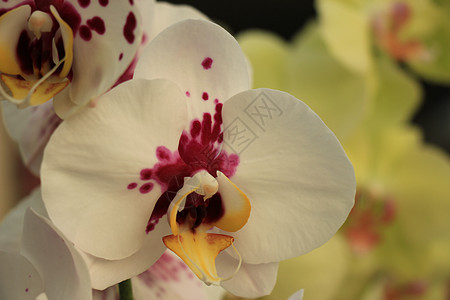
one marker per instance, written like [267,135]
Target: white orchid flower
[254,175]
[39,263]
[71,50]
[169,278]
[32,127]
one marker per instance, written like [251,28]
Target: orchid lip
[191,240]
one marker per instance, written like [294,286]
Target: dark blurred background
[286,17]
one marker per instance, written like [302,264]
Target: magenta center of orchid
[198,149]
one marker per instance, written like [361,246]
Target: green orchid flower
[416,32]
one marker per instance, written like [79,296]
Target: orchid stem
[125,290]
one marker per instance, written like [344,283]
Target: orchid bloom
[415,32]
[188,158]
[34,253]
[32,127]
[71,50]
[39,264]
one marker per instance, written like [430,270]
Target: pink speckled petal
[31,128]
[250,281]
[300,182]
[105,45]
[92,164]
[61,267]
[18,278]
[202,58]
[169,278]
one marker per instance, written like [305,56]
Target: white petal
[15,119]
[105,273]
[169,278]
[111,293]
[167,14]
[31,128]
[251,281]
[64,272]
[203,59]
[104,47]
[18,278]
[11,226]
[300,183]
[93,157]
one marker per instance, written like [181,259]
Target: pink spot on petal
[130,26]
[85,33]
[205,96]
[146,188]
[207,63]
[97,24]
[162,153]
[146,174]
[188,94]
[132,185]
[216,101]
[84,3]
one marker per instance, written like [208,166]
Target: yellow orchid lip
[191,240]
[26,81]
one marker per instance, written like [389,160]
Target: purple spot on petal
[120,56]
[103,2]
[146,188]
[205,96]
[162,153]
[26,290]
[146,174]
[84,3]
[132,185]
[128,29]
[131,2]
[207,63]
[97,24]
[85,33]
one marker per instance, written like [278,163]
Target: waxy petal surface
[63,270]
[211,66]
[92,157]
[169,278]
[110,36]
[31,128]
[18,278]
[167,14]
[300,183]
[251,281]
[105,273]
[11,227]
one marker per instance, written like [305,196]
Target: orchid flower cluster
[396,240]
[160,167]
